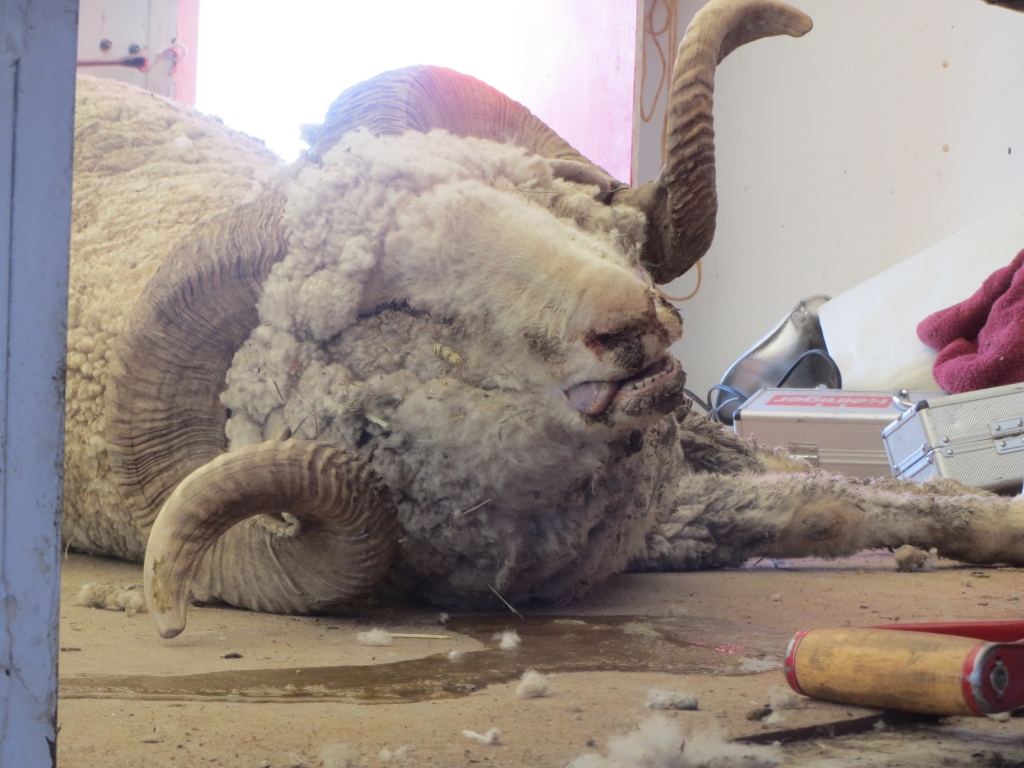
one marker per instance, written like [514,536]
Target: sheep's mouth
[596,397]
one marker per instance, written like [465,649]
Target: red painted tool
[974,668]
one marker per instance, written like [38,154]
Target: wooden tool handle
[911,671]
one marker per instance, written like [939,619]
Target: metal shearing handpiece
[792,354]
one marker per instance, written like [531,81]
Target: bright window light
[266,67]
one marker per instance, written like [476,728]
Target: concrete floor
[241,689]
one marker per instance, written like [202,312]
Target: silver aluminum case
[976,438]
[838,430]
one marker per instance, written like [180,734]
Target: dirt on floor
[244,689]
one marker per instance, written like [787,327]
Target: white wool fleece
[432,218]
[538,268]
[338,215]
[408,322]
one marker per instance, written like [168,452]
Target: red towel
[981,341]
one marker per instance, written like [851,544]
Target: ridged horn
[343,542]
[424,98]
[164,415]
[682,203]
[167,446]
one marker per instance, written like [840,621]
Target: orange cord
[700,276]
[670,30]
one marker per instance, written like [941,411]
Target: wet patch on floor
[549,645]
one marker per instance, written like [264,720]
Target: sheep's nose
[631,313]
[657,320]
[671,320]
[625,347]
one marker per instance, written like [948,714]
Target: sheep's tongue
[592,396]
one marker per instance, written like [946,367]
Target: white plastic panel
[871,331]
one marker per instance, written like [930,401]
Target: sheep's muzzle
[656,388]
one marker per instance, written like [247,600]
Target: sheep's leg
[721,520]
[711,447]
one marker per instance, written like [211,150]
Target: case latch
[1008,434]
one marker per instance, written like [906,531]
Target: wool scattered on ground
[386,755]
[662,699]
[337,755]
[493,736]
[783,697]
[112,597]
[507,640]
[709,749]
[658,743]
[374,637]
[909,558]
[533,685]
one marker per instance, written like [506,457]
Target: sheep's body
[146,171]
[457,394]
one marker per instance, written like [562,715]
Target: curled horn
[166,443]
[682,203]
[164,415]
[344,517]
[425,98]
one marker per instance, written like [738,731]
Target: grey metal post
[37,83]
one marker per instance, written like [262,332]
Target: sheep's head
[553,278]
[545,281]
[539,263]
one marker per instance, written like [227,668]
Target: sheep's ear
[164,415]
[586,173]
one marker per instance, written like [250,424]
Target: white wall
[831,165]
[156,26]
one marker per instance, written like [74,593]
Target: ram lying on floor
[428,358]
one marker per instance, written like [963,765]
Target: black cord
[813,353]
